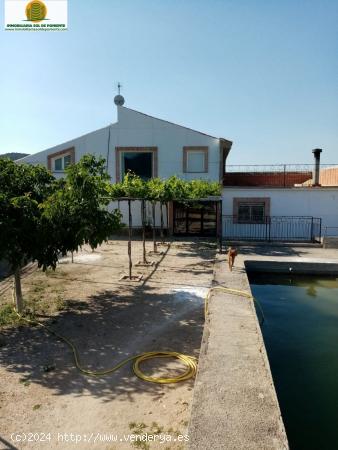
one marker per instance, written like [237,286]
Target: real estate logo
[36,15]
[36,11]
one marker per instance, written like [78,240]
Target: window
[58,164]
[67,160]
[62,163]
[195,159]
[141,161]
[251,209]
[251,212]
[59,161]
[195,162]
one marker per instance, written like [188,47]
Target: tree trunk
[167,213]
[129,240]
[154,231]
[18,291]
[72,257]
[143,213]
[162,224]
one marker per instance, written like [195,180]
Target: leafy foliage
[41,217]
[155,189]
[23,188]
[132,187]
[77,210]
[199,189]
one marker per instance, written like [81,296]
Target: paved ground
[235,404]
[108,320]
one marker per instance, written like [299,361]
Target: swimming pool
[300,332]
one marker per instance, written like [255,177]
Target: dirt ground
[108,320]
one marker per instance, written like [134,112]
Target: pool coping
[230,408]
[310,266]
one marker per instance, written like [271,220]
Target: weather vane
[118,99]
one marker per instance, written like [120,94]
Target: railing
[279,175]
[273,228]
[331,232]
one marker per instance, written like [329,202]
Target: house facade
[279,202]
[149,147]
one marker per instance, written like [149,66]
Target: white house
[281,202]
[149,147]
[289,203]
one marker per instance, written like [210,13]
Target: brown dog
[232,253]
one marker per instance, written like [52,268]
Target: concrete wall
[317,202]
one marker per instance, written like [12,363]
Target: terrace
[280,175]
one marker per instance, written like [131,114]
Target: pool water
[301,337]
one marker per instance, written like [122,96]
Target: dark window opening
[139,163]
[251,212]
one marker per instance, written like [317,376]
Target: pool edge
[235,403]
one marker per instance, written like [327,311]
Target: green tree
[41,218]
[78,209]
[158,191]
[23,230]
[133,187]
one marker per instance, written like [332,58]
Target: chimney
[315,179]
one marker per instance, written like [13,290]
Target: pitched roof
[177,124]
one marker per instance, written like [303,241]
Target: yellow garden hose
[231,291]
[189,361]
[224,289]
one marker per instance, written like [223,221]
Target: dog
[232,253]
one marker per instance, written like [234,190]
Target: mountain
[13,156]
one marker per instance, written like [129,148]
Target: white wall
[94,143]
[140,130]
[316,202]
[137,129]
[136,213]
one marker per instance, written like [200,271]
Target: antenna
[118,99]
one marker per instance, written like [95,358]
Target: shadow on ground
[270,250]
[108,327]
[7,445]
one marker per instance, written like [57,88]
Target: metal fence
[273,228]
[331,232]
[279,175]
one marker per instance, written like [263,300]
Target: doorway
[195,219]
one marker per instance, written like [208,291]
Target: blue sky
[261,73]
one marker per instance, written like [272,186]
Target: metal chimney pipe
[316,171]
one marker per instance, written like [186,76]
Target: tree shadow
[106,329]
[7,445]
[269,250]
[203,249]
[117,321]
